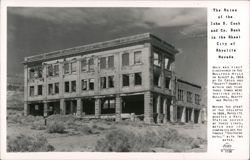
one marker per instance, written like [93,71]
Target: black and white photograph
[106,79]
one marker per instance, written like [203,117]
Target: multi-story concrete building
[188,102]
[112,78]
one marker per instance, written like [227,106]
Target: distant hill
[15,79]
[15,91]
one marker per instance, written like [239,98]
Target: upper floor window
[91,64]
[31,73]
[166,61]
[56,70]
[125,80]
[157,79]
[73,86]
[53,70]
[180,94]
[36,72]
[50,90]
[56,88]
[138,78]
[110,61]
[39,71]
[111,81]
[66,68]
[84,64]
[125,59]
[84,84]
[66,87]
[167,82]
[189,96]
[103,82]
[157,59]
[103,62]
[91,84]
[197,99]
[73,67]
[137,57]
[32,90]
[40,90]
[50,70]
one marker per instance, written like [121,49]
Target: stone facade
[130,75]
[188,102]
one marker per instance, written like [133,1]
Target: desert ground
[66,133]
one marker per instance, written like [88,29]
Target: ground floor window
[36,109]
[88,106]
[108,106]
[133,104]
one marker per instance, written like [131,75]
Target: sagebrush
[24,143]
[124,141]
[56,127]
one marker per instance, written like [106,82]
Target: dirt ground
[86,142]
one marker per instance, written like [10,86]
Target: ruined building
[126,76]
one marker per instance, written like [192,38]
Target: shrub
[94,126]
[67,119]
[56,127]
[100,128]
[85,129]
[24,143]
[38,125]
[31,119]
[195,144]
[115,141]
[124,141]
[14,117]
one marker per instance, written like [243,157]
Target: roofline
[99,46]
[186,82]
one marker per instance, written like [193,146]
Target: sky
[35,30]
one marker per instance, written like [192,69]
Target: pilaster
[97,107]
[148,107]
[118,108]
[61,81]
[71,107]
[62,107]
[78,79]
[26,109]
[45,85]
[200,117]
[165,110]
[183,116]
[79,107]
[172,111]
[192,115]
[45,108]
[158,108]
